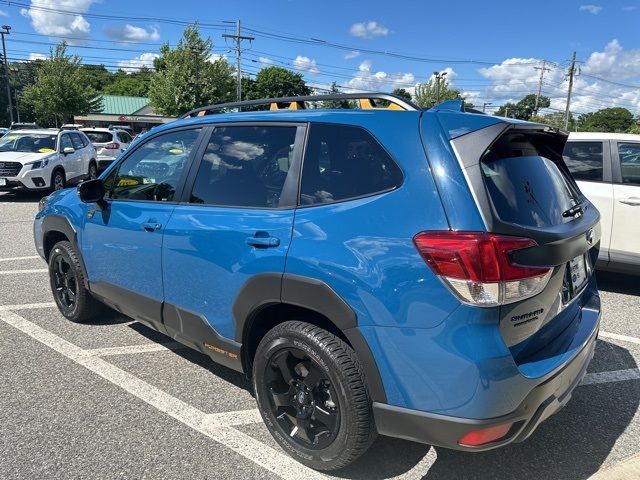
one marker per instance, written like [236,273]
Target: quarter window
[153,171]
[343,162]
[584,160]
[245,166]
[629,155]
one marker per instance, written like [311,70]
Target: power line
[238,38]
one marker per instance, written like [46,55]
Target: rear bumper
[441,430]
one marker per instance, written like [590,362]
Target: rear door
[234,223]
[625,243]
[589,161]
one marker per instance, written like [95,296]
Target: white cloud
[305,64]
[592,9]
[37,56]
[215,56]
[367,80]
[3,13]
[131,33]
[630,8]
[133,65]
[351,54]
[265,60]
[368,29]
[48,22]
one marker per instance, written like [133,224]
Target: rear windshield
[525,181]
[99,137]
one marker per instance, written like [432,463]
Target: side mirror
[68,150]
[92,191]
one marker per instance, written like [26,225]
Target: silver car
[109,143]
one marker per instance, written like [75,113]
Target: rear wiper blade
[573,211]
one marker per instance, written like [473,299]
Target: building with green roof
[135,112]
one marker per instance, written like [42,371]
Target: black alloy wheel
[65,283]
[302,399]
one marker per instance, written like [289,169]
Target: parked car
[3,131]
[606,166]
[45,159]
[109,143]
[426,275]
[126,128]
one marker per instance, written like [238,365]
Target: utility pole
[6,29]
[238,38]
[438,77]
[484,105]
[572,72]
[542,69]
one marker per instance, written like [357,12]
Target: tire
[93,171]
[68,285]
[58,180]
[320,412]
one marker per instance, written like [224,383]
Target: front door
[70,161]
[236,223]
[122,242]
[625,243]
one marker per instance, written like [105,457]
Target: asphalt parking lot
[114,399]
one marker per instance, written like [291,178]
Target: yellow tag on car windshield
[46,150]
[176,151]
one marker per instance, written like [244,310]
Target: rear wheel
[57,180]
[312,395]
[68,285]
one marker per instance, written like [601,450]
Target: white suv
[607,169]
[43,159]
[109,143]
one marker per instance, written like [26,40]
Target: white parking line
[617,336]
[17,272]
[233,419]
[15,259]
[27,306]
[613,376]
[133,349]
[252,449]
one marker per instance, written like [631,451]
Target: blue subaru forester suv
[426,275]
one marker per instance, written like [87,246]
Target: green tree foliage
[61,89]
[524,109]
[277,82]
[135,84]
[430,93]
[401,92]
[335,103]
[615,119]
[187,78]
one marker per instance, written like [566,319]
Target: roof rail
[71,126]
[366,101]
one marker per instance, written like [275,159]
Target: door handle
[151,226]
[263,240]
[633,201]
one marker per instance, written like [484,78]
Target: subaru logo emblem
[590,236]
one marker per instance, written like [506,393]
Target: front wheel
[312,395]
[93,171]
[68,285]
[58,180]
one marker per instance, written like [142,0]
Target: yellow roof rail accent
[369,104]
[292,106]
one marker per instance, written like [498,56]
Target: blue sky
[504,40]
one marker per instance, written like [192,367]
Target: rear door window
[344,162]
[584,160]
[245,166]
[525,187]
[629,156]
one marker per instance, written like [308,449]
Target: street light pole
[438,76]
[6,29]
[484,105]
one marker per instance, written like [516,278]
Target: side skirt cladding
[61,224]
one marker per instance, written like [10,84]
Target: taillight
[112,146]
[478,266]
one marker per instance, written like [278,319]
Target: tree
[615,119]
[524,109]
[555,119]
[432,92]
[273,82]
[134,84]
[61,89]
[186,77]
[401,92]
[335,103]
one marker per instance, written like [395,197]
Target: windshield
[28,142]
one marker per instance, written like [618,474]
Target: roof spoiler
[454,106]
